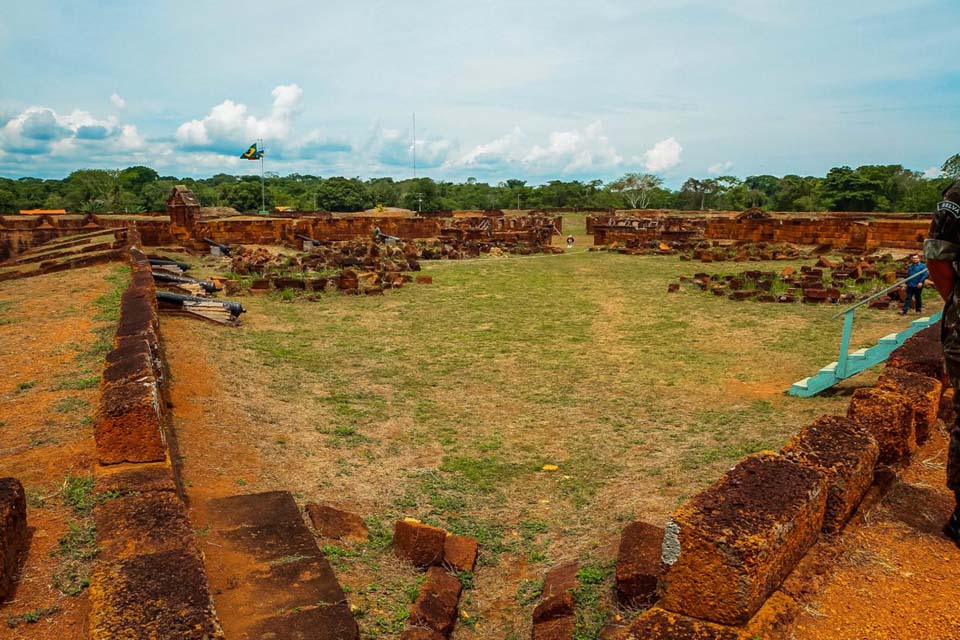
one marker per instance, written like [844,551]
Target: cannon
[224,249]
[209,287]
[191,303]
[305,238]
[167,262]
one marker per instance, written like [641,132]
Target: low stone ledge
[419,544]
[659,624]
[888,416]
[436,605]
[728,548]
[338,524]
[152,596]
[557,600]
[135,478]
[129,425]
[846,453]
[460,552]
[556,629]
[639,565]
[13,531]
[922,353]
[141,524]
[923,393]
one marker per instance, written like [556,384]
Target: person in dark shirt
[942,250]
[916,276]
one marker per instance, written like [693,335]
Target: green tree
[342,194]
[636,188]
[8,202]
[245,196]
[951,167]
[847,190]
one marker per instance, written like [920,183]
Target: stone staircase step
[280,584]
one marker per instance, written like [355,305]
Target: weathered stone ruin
[852,231]
[727,552]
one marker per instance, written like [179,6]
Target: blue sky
[501,89]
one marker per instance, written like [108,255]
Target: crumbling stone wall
[149,581]
[726,552]
[855,231]
[20,233]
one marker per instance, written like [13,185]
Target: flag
[252,153]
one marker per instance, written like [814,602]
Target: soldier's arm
[943,276]
[942,250]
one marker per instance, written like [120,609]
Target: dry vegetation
[54,333]
[444,402]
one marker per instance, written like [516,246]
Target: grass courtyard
[444,402]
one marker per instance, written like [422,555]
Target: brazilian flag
[252,153]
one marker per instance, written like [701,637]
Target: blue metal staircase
[857,361]
[849,363]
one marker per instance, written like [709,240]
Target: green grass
[444,402]
[77,549]
[78,384]
[70,404]
[31,617]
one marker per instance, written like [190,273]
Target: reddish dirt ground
[216,461]
[896,575]
[45,429]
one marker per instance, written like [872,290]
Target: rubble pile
[355,266]
[705,251]
[845,279]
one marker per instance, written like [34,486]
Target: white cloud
[720,168]
[40,131]
[663,155]
[509,148]
[229,124]
[394,148]
[932,172]
[117,101]
[579,150]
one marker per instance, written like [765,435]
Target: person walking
[916,276]
[942,251]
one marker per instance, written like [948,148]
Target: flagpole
[263,191]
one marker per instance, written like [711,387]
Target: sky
[501,89]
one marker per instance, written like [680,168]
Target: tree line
[138,189]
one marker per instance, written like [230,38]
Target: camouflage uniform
[943,243]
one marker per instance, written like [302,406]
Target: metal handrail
[879,293]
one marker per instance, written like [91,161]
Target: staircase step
[276,581]
[859,360]
[830,368]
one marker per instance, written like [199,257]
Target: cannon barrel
[235,308]
[209,287]
[225,249]
[305,238]
[163,262]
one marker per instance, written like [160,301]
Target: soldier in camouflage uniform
[942,250]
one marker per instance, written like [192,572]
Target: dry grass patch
[444,402]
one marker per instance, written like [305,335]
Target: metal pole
[414,145]
[263,191]
[845,344]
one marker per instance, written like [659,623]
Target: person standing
[942,250]
[916,276]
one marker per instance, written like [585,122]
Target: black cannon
[209,287]
[315,243]
[167,262]
[186,302]
[224,249]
